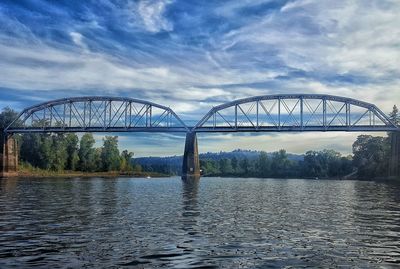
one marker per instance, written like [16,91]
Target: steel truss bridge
[268,113]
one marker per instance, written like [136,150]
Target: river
[217,223]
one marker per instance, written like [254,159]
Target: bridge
[268,113]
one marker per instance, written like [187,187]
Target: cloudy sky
[192,55]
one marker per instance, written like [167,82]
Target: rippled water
[228,223]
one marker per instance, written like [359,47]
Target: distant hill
[241,154]
[173,164]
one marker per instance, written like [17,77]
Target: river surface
[217,223]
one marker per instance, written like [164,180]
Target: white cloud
[78,40]
[152,14]
[329,36]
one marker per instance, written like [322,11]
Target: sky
[192,55]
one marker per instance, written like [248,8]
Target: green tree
[394,115]
[110,154]
[7,116]
[325,163]
[98,162]
[45,151]
[126,161]
[137,168]
[30,149]
[244,165]
[311,166]
[263,165]
[225,166]
[280,164]
[371,156]
[235,164]
[209,167]
[58,155]
[72,148]
[87,154]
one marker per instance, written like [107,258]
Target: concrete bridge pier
[9,157]
[191,164]
[394,162]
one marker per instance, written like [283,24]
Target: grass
[27,170]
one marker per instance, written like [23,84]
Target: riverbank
[377,179]
[39,173]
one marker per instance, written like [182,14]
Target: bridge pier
[191,163]
[9,157]
[394,162]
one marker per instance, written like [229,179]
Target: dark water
[228,223]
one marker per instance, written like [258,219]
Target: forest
[59,152]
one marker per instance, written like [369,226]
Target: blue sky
[192,55]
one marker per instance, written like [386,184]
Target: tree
[126,161]
[371,156]
[311,166]
[394,115]
[209,167]
[31,149]
[110,154]
[235,164]
[7,116]
[58,154]
[225,166]
[87,154]
[72,148]
[98,162]
[280,164]
[263,165]
[245,165]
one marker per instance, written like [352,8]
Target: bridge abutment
[9,157]
[394,161]
[191,163]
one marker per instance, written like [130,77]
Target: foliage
[110,158]
[325,163]
[87,154]
[322,164]
[7,116]
[72,148]
[371,156]
[394,115]
[126,161]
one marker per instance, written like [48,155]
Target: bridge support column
[191,164]
[9,157]
[394,162]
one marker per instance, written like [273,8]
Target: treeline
[323,164]
[58,152]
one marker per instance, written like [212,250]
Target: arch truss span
[297,113]
[97,114]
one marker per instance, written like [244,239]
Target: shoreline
[74,174]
